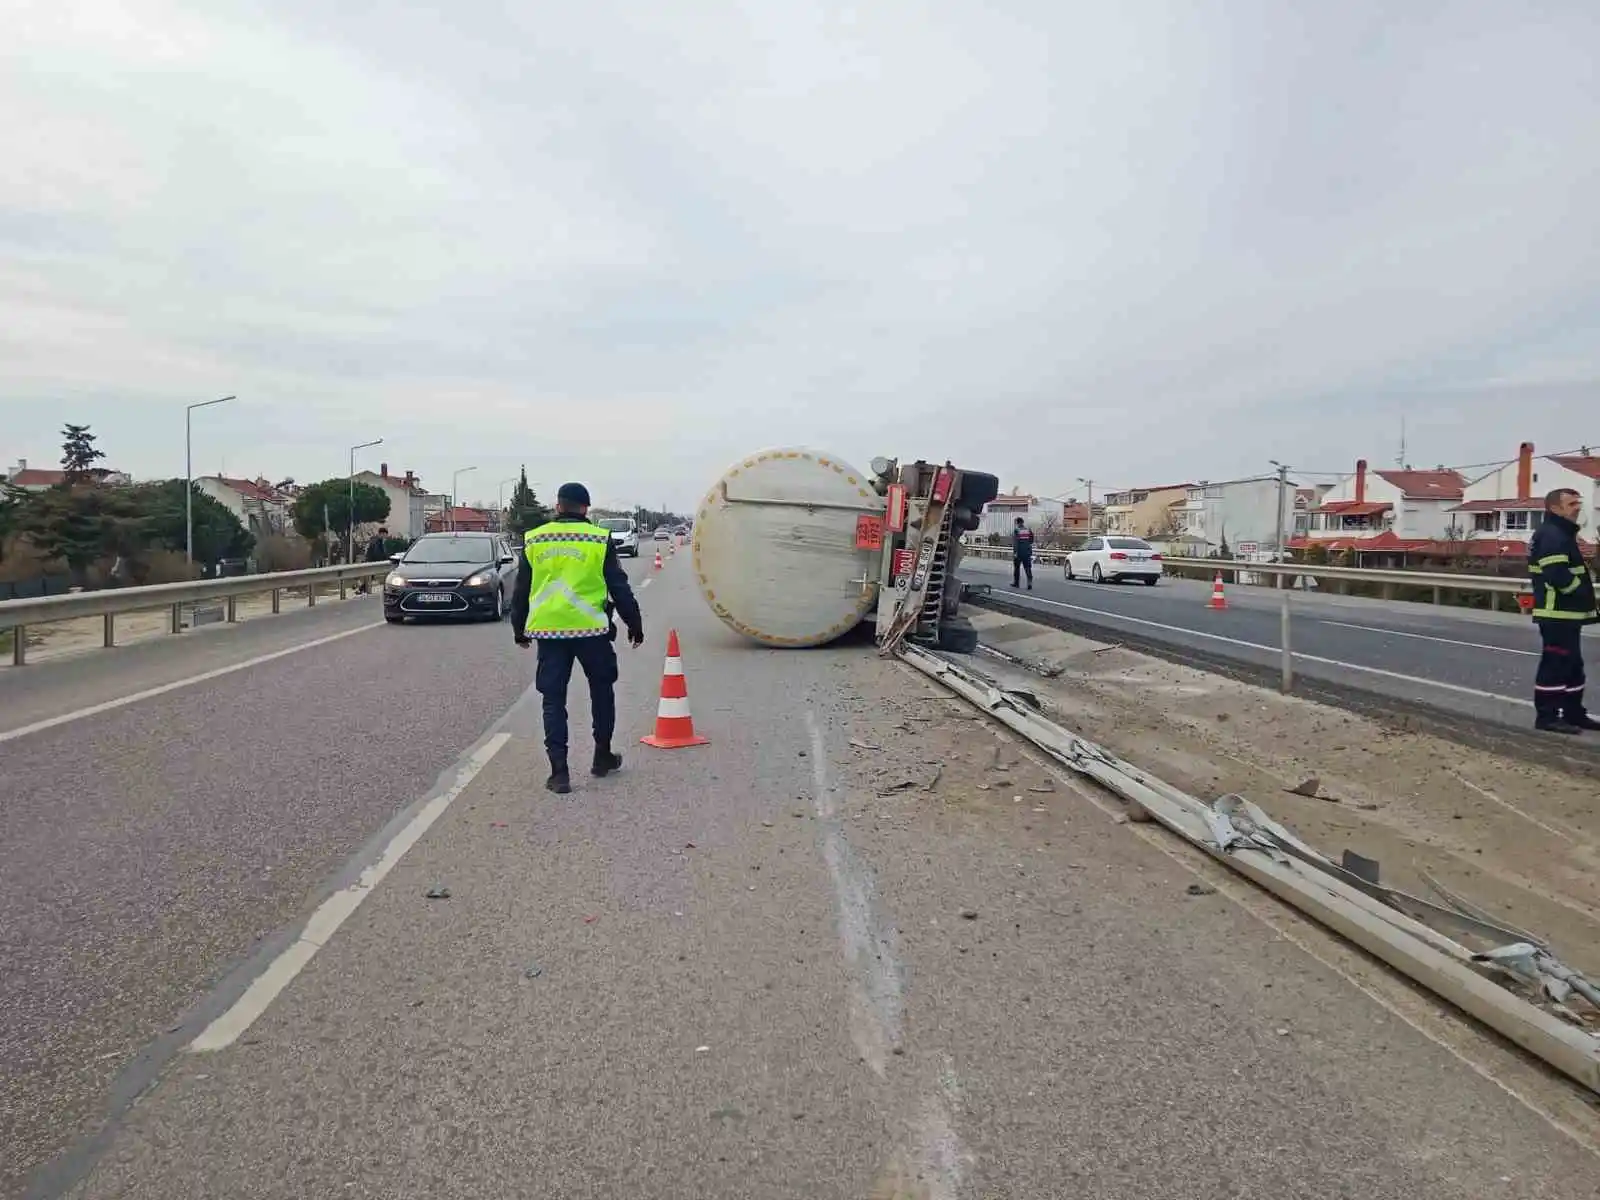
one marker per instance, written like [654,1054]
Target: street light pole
[1283,549]
[350,516]
[500,512]
[1089,485]
[454,483]
[188,474]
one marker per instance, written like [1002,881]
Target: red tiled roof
[1588,465]
[1426,485]
[250,489]
[33,477]
[1497,506]
[1353,508]
[475,519]
[1388,543]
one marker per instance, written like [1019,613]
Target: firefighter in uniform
[1563,603]
[569,582]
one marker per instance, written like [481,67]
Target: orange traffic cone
[1218,600]
[674,725]
[658,560]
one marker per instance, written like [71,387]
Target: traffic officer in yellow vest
[1563,603]
[569,581]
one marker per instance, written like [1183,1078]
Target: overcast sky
[1143,241]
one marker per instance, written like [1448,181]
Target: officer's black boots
[1554,724]
[559,782]
[1581,721]
[605,761]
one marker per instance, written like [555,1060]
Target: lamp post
[188,473]
[1089,485]
[454,481]
[1283,489]
[350,523]
[501,510]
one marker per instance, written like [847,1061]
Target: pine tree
[524,512]
[79,453]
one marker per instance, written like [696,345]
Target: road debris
[533,972]
[1513,983]
[437,893]
[969,914]
[857,744]
[1201,889]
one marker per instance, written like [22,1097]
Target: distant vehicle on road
[661,535]
[457,575]
[1111,559]
[624,535]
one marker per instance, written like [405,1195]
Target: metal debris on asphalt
[860,745]
[437,893]
[533,972]
[969,914]
[1201,889]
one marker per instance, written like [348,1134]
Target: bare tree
[1049,534]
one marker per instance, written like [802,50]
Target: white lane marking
[1568,834]
[1236,888]
[645,583]
[1295,654]
[876,1002]
[335,910]
[1423,637]
[95,710]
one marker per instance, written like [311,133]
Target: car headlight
[481,579]
[395,581]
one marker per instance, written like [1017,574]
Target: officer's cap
[574,494]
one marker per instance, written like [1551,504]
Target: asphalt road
[739,970]
[1475,663]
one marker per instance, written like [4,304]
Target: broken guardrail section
[1507,978]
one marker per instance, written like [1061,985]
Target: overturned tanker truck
[795,547]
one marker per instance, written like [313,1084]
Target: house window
[1517,520]
[1485,522]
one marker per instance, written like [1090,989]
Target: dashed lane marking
[335,910]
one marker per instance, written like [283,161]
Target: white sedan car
[1110,559]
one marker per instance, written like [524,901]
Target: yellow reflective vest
[567,598]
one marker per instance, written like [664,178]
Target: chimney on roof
[1525,471]
[383,470]
[1361,480]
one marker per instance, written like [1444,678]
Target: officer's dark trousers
[598,658]
[1019,564]
[1558,686]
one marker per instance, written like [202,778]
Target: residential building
[1395,512]
[36,479]
[1075,519]
[1499,511]
[1144,512]
[410,504]
[1044,516]
[461,520]
[1235,512]
[260,507]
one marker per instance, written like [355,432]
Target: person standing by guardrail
[1021,554]
[569,578]
[1563,603]
[377,551]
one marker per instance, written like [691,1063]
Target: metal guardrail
[1391,580]
[17,615]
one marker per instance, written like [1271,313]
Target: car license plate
[434,597]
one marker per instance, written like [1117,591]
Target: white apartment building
[1235,511]
[410,505]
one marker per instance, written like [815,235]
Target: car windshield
[1127,544]
[617,526]
[451,550]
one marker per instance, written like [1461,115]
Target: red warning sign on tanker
[903,560]
[869,533]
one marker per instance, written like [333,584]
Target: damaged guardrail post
[1286,683]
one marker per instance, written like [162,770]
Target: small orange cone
[1218,600]
[674,725]
[658,560]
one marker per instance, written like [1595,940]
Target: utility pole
[1283,488]
[1089,485]
[188,474]
[350,529]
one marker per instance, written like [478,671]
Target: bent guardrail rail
[17,615]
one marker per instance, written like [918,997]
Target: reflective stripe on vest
[1545,593]
[568,596]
